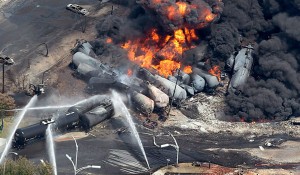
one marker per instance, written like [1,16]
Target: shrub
[6,102]
[23,166]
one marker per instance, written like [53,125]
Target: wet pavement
[119,153]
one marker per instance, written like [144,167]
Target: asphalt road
[25,24]
[119,153]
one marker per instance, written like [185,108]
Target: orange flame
[129,72]
[187,69]
[171,12]
[210,17]
[215,70]
[182,7]
[163,50]
[108,40]
[166,67]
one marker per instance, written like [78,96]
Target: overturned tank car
[67,121]
[88,104]
[241,69]
[97,115]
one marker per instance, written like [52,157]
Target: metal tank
[67,121]
[97,115]
[88,104]
[164,84]
[230,61]
[190,90]
[160,99]
[142,103]
[212,81]
[184,77]
[238,79]
[168,87]
[85,48]
[81,58]
[85,69]
[30,133]
[243,59]
[198,82]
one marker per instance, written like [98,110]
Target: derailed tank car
[30,133]
[97,115]
[85,114]
[67,121]
[88,104]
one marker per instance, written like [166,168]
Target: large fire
[161,53]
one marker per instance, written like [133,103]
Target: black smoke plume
[272,91]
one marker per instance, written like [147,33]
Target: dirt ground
[207,168]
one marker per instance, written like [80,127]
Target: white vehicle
[6,60]
[77,9]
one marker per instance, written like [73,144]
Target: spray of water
[43,108]
[15,126]
[51,107]
[118,104]
[51,150]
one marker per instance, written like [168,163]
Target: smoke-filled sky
[272,91]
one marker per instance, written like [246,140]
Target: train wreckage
[241,66]
[147,89]
[83,115]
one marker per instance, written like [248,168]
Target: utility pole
[5,61]
[172,99]
[3,77]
